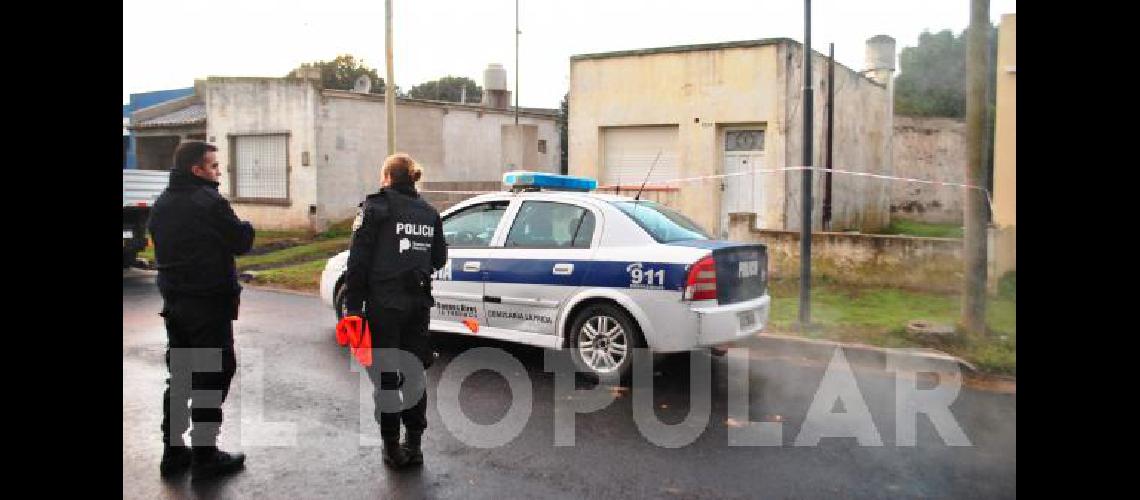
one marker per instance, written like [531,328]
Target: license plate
[747,319]
[128,235]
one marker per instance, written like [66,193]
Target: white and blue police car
[552,264]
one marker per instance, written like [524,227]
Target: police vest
[405,236]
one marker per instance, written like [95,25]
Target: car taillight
[701,282]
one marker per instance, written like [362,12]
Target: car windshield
[662,223]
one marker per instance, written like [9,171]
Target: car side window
[585,232]
[474,226]
[546,224]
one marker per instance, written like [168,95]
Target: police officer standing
[196,236]
[397,242]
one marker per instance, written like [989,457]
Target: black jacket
[196,236]
[397,242]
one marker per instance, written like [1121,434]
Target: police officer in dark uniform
[397,242]
[196,236]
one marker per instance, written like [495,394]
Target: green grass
[878,316]
[304,276]
[261,239]
[147,253]
[912,228]
[342,229]
[271,235]
[1007,285]
[320,249]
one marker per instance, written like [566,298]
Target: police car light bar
[536,181]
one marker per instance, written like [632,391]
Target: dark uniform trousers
[407,330]
[199,331]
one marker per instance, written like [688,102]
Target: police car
[552,264]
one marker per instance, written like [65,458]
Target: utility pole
[974,296]
[805,186]
[517,33]
[390,83]
[830,136]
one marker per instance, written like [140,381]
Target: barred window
[261,167]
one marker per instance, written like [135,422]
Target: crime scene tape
[989,196]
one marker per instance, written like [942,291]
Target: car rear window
[662,223]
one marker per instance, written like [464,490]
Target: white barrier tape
[818,169]
[989,196]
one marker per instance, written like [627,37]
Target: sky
[168,44]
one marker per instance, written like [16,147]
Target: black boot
[175,460]
[210,461]
[412,448]
[394,455]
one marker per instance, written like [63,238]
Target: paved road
[307,381]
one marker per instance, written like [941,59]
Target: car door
[545,254]
[458,286]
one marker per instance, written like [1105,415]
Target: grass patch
[912,228]
[342,229]
[263,242]
[272,235]
[304,276]
[1007,285]
[320,250]
[878,316]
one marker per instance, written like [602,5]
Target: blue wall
[143,100]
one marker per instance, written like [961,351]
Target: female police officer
[397,242]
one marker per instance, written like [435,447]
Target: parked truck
[140,189]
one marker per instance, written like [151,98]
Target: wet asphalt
[320,440]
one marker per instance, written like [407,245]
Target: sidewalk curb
[264,288]
[823,350]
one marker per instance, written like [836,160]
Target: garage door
[629,152]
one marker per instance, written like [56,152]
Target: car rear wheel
[602,339]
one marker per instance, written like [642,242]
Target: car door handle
[563,269]
[471,266]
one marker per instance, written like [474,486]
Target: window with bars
[260,167]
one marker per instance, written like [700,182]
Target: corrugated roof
[190,115]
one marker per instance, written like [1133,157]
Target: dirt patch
[991,383]
[275,246]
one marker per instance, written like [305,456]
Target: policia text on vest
[397,243]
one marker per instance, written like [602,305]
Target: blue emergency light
[531,181]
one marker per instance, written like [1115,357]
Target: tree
[931,79]
[932,82]
[448,88]
[341,74]
[561,123]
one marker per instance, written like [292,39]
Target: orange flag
[348,332]
[472,324]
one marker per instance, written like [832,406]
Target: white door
[743,153]
[546,254]
[458,287]
[630,152]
